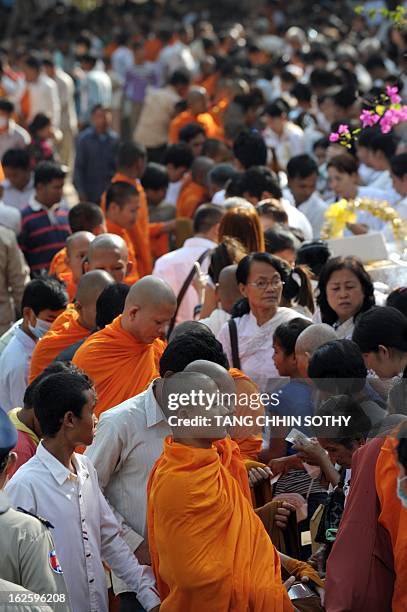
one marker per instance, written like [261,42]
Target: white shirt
[122,60]
[286,146]
[158,110]
[15,197]
[7,337]
[297,219]
[10,217]
[173,191]
[255,343]
[44,98]
[129,439]
[174,268]
[314,209]
[367,174]
[384,182]
[14,367]
[85,530]
[66,92]
[216,320]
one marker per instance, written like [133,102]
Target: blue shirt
[95,163]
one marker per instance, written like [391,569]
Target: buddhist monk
[123,358]
[90,287]
[209,550]
[84,217]
[77,246]
[197,112]
[195,191]
[109,252]
[227,448]
[131,163]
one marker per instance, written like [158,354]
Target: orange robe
[69,313]
[249,439]
[119,365]
[212,129]
[229,454]
[53,343]
[2,177]
[393,517]
[58,265]
[139,234]
[209,550]
[71,286]
[190,197]
[113,228]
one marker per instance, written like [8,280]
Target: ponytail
[298,287]
[241,308]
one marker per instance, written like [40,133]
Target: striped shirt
[43,233]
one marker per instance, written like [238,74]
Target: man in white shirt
[260,183]
[302,173]
[42,92]
[174,267]
[399,176]
[62,486]
[18,186]
[129,440]
[43,300]
[69,120]
[9,217]
[283,138]
[12,136]
[122,58]
[95,88]
[158,110]
[381,149]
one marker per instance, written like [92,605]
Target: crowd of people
[166,185]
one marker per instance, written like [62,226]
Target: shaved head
[109,252]
[107,242]
[313,337]
[222,378]
[200,169]
[185,420]
[309,341]
[196,93]
[90,286]
[149,308]
[79,240]
[148,292]
[77,247]
[228,290]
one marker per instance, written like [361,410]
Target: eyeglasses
[275,283]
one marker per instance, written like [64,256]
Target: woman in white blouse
[264,280]
[344,290]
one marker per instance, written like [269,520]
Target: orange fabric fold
[71,286]
[58,265]
[191,196]
[229,454]
[208,548]
[248,438]
[394,518]
[212,130]
[53,343]
[119,365]
[139,234]
[158,239]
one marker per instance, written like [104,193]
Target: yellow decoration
[344,211]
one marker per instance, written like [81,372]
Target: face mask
[40,328]
[400,493]
[3,122]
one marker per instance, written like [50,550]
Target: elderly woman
[247,339]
